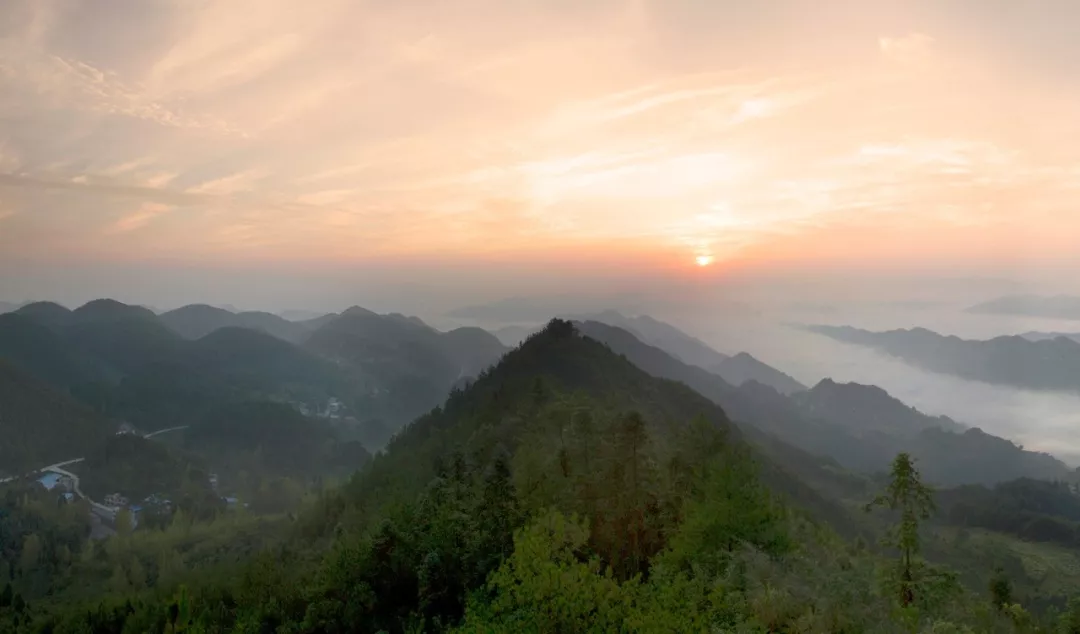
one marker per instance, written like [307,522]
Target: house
[231,502]
[116,500]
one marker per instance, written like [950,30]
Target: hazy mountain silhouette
[1056,307]
[861,427]
[1052,364]
[743,367]
[198,320]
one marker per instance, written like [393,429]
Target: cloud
[138,219]
[907,49]
[243,181]
[284,130]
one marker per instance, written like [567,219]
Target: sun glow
[704,260]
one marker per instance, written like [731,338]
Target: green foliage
[907,494]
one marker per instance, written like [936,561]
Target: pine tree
[914,500]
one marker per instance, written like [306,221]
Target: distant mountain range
[861,427]
[736,369]
[1049,364]
[199,320]
[1055,307]
[172,369]
[1043,336]
[125,363]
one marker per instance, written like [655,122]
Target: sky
[323,153]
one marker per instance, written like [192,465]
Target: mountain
[1043,336]
[7,307]
[868,408]
[1056,307]
[735,370]
[566,367]
[198,320]
[682,346]
[49,314]
[860,427]
[407,367]
[300,314]
[126,338]
[40,425]
[45,354]
[743,367]
[1043,365]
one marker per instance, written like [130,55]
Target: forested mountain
[869,408]
[859,426]
[48,314]
[41,425]
[1044,365]
[132,365]
[409,366]
[198,320]
[737,369]
[470,522]
[45,354]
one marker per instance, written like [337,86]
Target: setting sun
[704,260]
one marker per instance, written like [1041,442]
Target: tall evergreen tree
[914,500]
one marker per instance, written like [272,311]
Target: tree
[914,500]
[1000,589]
[124,524]
[31,553]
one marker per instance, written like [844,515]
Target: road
[162,431]
[99,512]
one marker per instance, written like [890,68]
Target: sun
[704,260]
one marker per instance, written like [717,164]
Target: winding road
[99,511]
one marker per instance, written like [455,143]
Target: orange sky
[617,135]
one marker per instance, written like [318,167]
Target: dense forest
[563,490]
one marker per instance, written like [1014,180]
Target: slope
[43,353]
[744,367]
[40,425]
[557,376]
[861,427]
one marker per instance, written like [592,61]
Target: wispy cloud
[283,130]
[139,218]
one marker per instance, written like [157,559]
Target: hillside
[48,314]
[44,353]
[126,338]
[861,427]
[869,408]
[743,367]
[1043,365]
[195,321]
[686,348]
[270,438]
[41,425]
[408,366]
[564,473]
